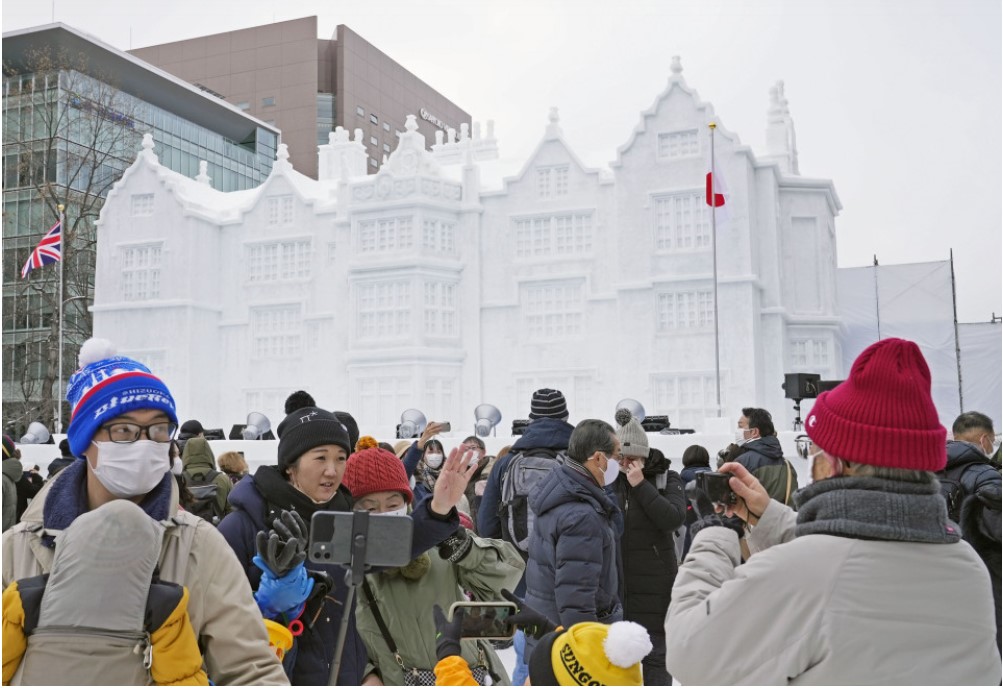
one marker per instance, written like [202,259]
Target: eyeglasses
[127,433]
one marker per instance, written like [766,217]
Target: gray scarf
[870,508]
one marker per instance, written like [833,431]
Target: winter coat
[571,575]
[59,464]
[406,607]
[223,614]
[647,548]
[980,519]
[545,433]
[764,458]
[827,609]
[27,487]
[688,475]
[411,460]
[197,459]
[311,657]
[12,472]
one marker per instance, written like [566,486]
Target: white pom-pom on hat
[94,350]
[626,644]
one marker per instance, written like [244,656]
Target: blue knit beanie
[105,387]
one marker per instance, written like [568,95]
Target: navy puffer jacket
[571,575]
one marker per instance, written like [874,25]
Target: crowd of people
[144,558]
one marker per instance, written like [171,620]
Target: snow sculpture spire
[554,128]
[147,151]
[341,158]
[203,175]
[677,65]
[781,141]
[282,158]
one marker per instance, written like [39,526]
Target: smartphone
[485,620]
[388,539]
[716,486]
[445,427]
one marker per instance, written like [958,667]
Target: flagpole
[62,259]
[713,244]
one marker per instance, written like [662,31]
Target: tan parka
[221,607]
[821,609]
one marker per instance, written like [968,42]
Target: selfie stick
[353,578]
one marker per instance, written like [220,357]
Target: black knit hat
[350,426]
[548,403]
[306,428]
[541,668]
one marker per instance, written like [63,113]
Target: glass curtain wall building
[74,114]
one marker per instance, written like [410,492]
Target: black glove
[447,633]
[456,546]
[284,547]
[528,619]
[699,499]
[734,523]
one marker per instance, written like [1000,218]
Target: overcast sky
[897,101]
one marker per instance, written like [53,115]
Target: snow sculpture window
[381,399]
[384,234]
[678,144]
[440,309]
[565,234]
[687,398]
[142,205]
[684,310]
[809,355]
[276,331]
[280,210]
[438,236]
[682,222]
[383,309]
[439,395]
[554,311]
[278,260]
[552,181]
[141,272]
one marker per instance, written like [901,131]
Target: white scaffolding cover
[913,301]
[982,369]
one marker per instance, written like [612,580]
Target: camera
[716,487]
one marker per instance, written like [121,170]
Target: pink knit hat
[883,414]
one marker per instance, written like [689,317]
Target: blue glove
[282,596]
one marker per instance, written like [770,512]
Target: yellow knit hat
[591,653]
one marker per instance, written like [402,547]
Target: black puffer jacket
[647,549]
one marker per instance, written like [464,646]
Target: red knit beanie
[376,470]
[883,414]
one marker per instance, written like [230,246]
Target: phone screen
[445,427]
[486,620]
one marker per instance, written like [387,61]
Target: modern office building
[75,110]
[285,75]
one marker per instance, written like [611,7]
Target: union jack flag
[49,250]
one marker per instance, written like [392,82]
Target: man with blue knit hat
[123,419]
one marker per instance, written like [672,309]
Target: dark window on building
[374,119]
[267,102]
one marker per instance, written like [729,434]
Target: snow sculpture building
[430,285]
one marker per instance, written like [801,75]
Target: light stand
[353,578]
[798,425]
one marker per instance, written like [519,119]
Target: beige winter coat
[820,609]
[221,607]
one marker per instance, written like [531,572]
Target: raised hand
[528,619]
[752,496]
[452,480]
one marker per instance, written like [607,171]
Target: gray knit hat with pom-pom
[633,440]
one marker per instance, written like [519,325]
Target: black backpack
[204,491]
[524,472]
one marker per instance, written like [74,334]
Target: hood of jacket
[566,485]
[545,433]
[13,469]
[765,446]
[197,456]
[960,453]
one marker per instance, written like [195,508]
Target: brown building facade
[283,74]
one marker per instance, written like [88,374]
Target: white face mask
[740,437]
[433,461]
[397,512]
[612,470]
[130,470]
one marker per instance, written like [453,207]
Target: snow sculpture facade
[428,285]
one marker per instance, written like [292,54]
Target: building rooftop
[135,77]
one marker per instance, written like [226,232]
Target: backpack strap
[787,494]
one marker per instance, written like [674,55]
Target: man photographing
[861,584]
